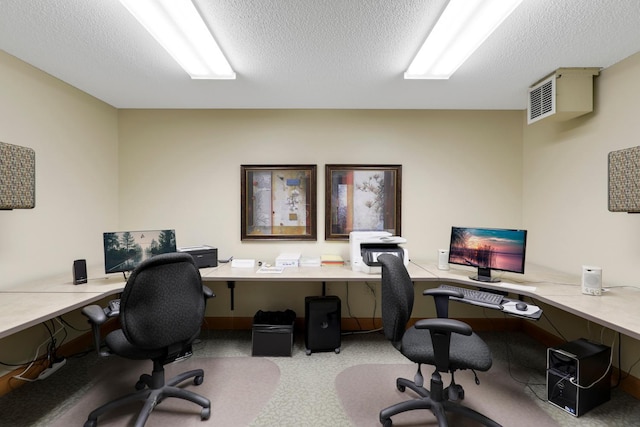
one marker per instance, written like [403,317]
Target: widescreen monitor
[488,249]
[124,250]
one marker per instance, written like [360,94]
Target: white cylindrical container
[443,259]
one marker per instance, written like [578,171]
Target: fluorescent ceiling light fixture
[179,28]
[461,29]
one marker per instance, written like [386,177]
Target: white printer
[366,246]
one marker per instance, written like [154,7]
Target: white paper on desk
[510,307]
[265,269]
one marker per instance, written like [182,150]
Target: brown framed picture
[278,202]
[362,198]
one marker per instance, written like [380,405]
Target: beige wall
[181,169]
[565,183]
[75,138]
[565,195]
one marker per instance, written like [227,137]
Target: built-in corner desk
[616,308]
[32,303]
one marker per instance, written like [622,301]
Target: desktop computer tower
[578,376]
[322,324]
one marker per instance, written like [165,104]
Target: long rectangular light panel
[179,28]
[463,26]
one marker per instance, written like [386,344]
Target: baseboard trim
[629,384]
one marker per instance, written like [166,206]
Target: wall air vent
[563,95]
[542,100]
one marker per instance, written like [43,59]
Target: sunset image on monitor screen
[498,249]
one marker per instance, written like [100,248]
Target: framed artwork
[278,202]
[362,198]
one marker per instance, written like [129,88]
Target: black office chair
[446,344]
[161,312]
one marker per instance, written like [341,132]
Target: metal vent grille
[542,100]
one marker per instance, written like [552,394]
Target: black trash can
[272,333]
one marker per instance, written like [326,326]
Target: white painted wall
[75,138]
[181,169]
[566,183]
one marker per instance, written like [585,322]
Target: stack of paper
[331,259]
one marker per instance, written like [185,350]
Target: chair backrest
[163,302]
[397,298]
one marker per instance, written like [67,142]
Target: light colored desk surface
[29,304]
[225,272]
[617,308]
[21,310]
[98,283]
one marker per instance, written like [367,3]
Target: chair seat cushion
[467,352]
[118,343]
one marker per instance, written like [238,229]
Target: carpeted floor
[323,389]
[226,385]
[364,387]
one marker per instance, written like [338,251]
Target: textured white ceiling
[315,53]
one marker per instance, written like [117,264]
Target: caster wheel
[205,414]
[140,385]
[387,422]
[198,380]
[308,352]
[91,423]
[337,350]
[401,388]
[455,393]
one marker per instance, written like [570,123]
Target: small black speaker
[322,324]
[79,271]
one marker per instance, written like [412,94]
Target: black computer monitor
[124,250]
[488,249]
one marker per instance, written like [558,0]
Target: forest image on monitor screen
[124,250]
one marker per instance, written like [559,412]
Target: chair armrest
[208,293]
[444,292]
[97,317]
[441,299]
[95,313]
[447,325]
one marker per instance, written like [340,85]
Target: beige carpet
[238,388]
[364,390]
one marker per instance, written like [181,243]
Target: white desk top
[23,310]
[617,308]
[225,272]
[97,281]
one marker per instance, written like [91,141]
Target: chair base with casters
[438,400]
[153,389]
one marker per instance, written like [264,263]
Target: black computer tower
[322,324]
[578,376]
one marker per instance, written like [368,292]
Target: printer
[204,256]
[366,246]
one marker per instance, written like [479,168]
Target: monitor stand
[484,275]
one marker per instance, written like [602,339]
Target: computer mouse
[522,306]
